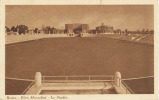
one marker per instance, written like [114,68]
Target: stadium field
[79,56]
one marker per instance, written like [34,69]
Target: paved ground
[109,91]
[79,56]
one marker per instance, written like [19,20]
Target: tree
[120,31]
[138,31]
[114,31]
[13,29]
[143,31]
[147,31]
[52,30]
[7,29]
[17,28]
[126,31]
[36,30]
[22,29]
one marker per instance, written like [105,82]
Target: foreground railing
[84,78]
[28,88]
[115,80]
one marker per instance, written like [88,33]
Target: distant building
[69,28]
[85,28]
[104,29]
[77,28]
[93,31]
[59,31]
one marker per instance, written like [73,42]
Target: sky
[131,17]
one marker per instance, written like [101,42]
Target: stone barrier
[28,37]
[38,79]
[117,79]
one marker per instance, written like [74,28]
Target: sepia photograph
[79,49]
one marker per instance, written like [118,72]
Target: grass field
[141,86]
[14,87]
[79,56]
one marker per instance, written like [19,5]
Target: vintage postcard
[79,50]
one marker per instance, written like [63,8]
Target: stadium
[78,59]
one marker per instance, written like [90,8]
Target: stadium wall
[29,37]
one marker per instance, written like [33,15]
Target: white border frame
[81,2]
